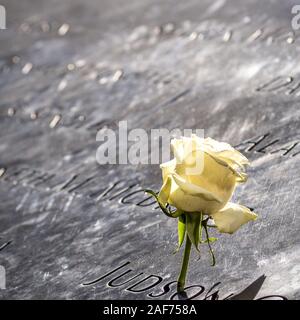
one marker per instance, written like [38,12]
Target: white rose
[209,187]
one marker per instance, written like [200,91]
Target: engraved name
[140,283]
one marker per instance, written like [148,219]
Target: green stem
[208,243]
[184,265]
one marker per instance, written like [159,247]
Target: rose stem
[184,265]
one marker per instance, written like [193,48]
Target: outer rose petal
[178,149]
[193,189]
[216,178]
[225,152]
[190,202]
[230,218]
[168,168]
[164,192]
[183,147]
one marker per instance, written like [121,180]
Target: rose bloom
[202,178]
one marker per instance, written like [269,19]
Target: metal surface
[69,68]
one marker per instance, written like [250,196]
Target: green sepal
[193,225]
[181,228]
[200,227]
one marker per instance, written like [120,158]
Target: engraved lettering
[276,83]
[108,194]
[106,275]
[5,245]
[145,288]
[253,143]
[41,178]
[263,149]
[113,285]
[272,296]
[214,295]
[152,281]
[141,203]
[68,183]
[287,148]
[185,296]
[166,288]
[79,185]
[293,89]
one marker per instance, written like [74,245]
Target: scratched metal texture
[69,68]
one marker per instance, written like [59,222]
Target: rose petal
[230,218]
[164,192]
[168,168]
[226,152]
[193,189]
